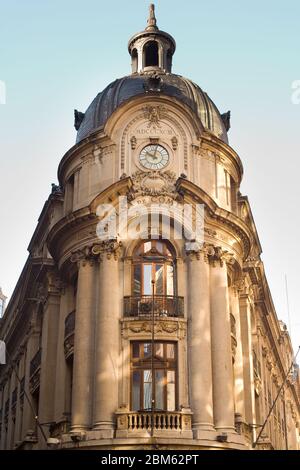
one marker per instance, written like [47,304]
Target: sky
[57,55]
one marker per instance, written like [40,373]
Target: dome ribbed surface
[123,89]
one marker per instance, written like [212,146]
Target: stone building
[127,343]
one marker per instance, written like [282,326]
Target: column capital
[219,257]
[83,256]
[109,249]
[196,251]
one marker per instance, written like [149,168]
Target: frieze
[161,328]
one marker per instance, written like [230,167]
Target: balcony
[69,334]
[164,306]
[35,369]
[164,424]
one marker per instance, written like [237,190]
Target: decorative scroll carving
[108,248]
[212,254]
[161,327]
[154,183]
[81,256]
[219,256]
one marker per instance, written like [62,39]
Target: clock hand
[152,156]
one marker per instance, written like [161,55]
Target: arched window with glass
[154,281]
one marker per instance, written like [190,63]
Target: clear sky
[57,55]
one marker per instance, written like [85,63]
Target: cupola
[151,50]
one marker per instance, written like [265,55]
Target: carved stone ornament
[154,184]
[212,254]
[161,327]
[133,142]
[154,114]
[174,143]
[83,254]
[219,256]
[108,248]
[257,386]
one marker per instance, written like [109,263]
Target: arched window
[169,60]
[134,63]
[154,284]
[151,54]
[154,268]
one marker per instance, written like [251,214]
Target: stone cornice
[228,219]
[209,141]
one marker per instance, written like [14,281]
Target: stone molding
[176,329]
[214,255]
[97,252]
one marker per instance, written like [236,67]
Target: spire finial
[152,19]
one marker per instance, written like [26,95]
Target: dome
[124,89]
[151,54]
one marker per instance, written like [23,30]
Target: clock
[154,157]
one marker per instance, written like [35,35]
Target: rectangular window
[164,363]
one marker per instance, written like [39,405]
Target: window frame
[166,364]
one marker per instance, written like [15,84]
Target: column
[83,345]
[238,363]
[246,335]
[29,423]
[18,410]
[107,340]
[62,405]
[221,344]
[199,341]
[49,353]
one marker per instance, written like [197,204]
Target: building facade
[150,340]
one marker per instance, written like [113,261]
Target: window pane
[147,350]
[137,280]
[170,351]
[160,247]
[136,350]
[136,390]
[147,279]
[147,247]
[147,389]
[170,280]
[159,279]
[159,389]
[159,350]
[171,390]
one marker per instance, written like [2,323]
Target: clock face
[154,157]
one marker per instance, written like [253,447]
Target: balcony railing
[70,324]
[163,306]
[162,422]
[35,362]
[69,335]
